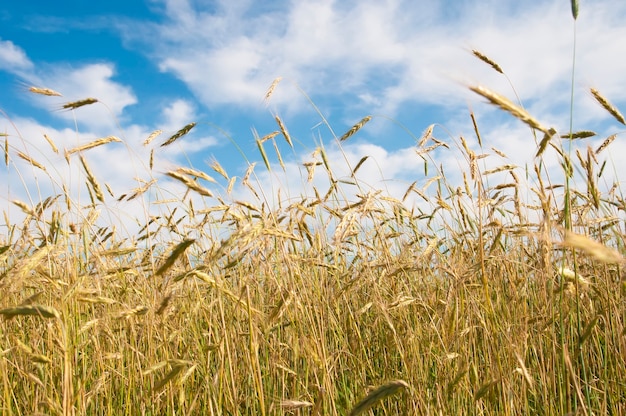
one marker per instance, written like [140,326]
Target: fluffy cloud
[13,59]
[390,50]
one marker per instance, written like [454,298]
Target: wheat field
[499,298]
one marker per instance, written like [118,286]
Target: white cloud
[392,52]
[13,58]
[89,81]
[178,113]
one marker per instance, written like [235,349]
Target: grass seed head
[284,131]
[271,89]
[44,91]
[377,395]
[80,103]
[605,143]
[355,128]
[152,136]
[506,105]
[180,133]
[608,106]
[488,61]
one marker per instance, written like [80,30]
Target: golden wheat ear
[377,395]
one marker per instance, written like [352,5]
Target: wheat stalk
[36,310]
[92,179]
[51,143]
[506,105]
[80,103]
[607,105]
[594,249]
[355,128]
[544,142]
[179,134]
[215,165]
[44,91]
[605,143]
[196,173]
[488,61]
[271,89]
[574,9]
[152,136]
[190,183]
[91,145]
[583,134]
[31,161]
[283,130]
[377,395]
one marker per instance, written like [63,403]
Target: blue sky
[161,64]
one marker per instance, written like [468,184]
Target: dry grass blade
[44,91]
[506,105]
[575,380]
[6,151]
[607,105]
[174,255]
[355,128]
[91,145]
[594,249]
[377,395]
[33,310]
[180,133]
[488,61]
[80,103]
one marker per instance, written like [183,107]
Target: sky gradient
[159,65]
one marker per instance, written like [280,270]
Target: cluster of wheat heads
[488,296]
